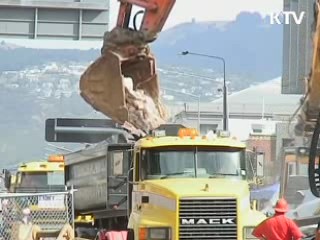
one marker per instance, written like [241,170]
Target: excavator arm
[155,15]
[308,124]
[310,105]
[123,83]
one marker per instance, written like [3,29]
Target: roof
[188,141]
[41,166]
[262,98]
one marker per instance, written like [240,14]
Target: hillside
[250,45]
[19,58]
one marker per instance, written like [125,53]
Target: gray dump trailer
[99,175]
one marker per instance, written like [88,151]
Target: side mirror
[254,205]
[7,178]
[130,177]
[260,164]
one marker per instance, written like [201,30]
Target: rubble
[143,111]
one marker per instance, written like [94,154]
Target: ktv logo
[287,17]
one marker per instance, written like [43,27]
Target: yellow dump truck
[12,182]
[41,187]
[177,187]
[38,176]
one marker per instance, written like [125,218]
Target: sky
[183,11]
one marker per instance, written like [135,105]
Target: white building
[259,104]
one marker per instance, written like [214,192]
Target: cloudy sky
[183,11]
[213,10]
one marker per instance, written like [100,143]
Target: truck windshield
[41,181]
[160,163]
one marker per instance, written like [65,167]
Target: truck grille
[207,218]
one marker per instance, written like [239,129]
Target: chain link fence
[49,211]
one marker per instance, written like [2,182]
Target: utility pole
[225,93]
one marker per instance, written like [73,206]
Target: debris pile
[143,111]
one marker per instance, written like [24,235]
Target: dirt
[143,111]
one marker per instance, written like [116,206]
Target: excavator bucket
[123,84]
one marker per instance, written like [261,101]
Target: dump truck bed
[99,174]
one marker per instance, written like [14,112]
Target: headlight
[161,233]
[248,233]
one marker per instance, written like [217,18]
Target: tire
[130,235]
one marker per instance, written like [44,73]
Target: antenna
[263,110]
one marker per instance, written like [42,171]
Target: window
[205,128]
[303,169]
[161,163]
[41,181]
[287,142]
[117,166]
[251,164]
[55,178]
[138,164]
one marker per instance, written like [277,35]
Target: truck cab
[191,187]
[38,176]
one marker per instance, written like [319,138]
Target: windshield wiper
[172,174]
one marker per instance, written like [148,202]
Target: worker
[278,227]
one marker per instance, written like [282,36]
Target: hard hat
[281,206]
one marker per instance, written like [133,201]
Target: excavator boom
[310,109]
[123,83]
[308,124]
[155,15]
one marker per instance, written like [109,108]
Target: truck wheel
[130,235]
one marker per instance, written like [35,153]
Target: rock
[143,112]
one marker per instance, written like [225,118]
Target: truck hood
[193,187]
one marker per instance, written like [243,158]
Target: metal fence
[49,211]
